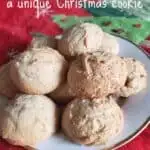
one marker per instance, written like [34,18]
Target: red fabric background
[15,25]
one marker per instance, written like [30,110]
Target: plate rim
[132,136]
[141,128]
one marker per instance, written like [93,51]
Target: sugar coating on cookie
[29,119]
[91,122]
[7,87]
[97,74]
[109,44]
[136,79]
[38,72]
[41,40]
[63,94]
[81,38]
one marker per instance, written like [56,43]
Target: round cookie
[40,40]
[81,38]
[92,122]
[29,119]
[109,44]
[63,94]
[38,72]
[136,80]
[97,74]
[7,87]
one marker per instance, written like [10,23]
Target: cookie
[40,40]
[38,72]
[29,119]
[109,44]
[136,80]
[63,94]
[79,39]
[97,74]
[92,122]
[7,87]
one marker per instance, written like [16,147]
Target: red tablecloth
[15,25]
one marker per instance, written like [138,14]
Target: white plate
[136,111]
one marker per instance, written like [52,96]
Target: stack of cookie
[83,74]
